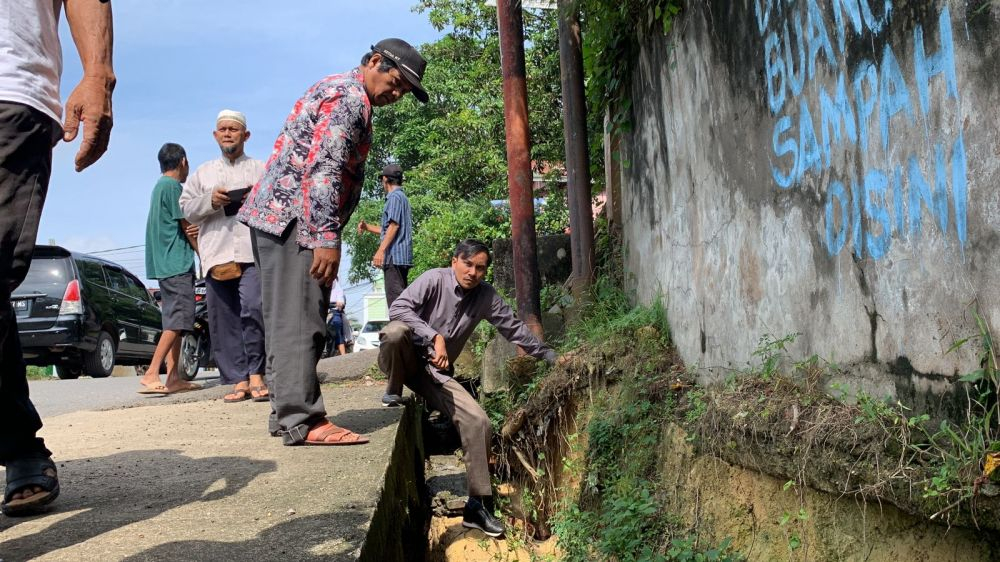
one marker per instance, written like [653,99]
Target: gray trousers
[236,324]
[295,308]
[400,361]
[26,139]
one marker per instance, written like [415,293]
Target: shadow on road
[279,542]
[366,421]
[117,490]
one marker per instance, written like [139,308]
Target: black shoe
[392,400]
[475,516]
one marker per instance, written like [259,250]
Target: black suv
[84,314]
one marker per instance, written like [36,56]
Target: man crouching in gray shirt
[431,321]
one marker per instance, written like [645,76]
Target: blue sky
[178,63]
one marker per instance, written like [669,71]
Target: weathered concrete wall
[824,168]
[398,529]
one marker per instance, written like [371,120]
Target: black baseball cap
[409,62]
[392,171]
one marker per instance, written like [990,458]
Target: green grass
[40,373]
[610,312]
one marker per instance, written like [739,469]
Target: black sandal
[27,473]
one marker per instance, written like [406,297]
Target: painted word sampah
[864,111]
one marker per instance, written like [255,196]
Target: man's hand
[90,103]
[191,233]
[362,227]
[220,198]
[440,359]
[326,263]
[379,258]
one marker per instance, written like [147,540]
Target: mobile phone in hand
[236,200]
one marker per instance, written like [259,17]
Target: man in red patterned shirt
[311,186]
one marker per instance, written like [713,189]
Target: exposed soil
[450,542]
[793,432]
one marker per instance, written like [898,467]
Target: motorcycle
[196,345]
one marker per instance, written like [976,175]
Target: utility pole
[581,219]
[527,280]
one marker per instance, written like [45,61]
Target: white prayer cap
[232,115]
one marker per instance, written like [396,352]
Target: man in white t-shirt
[30,114]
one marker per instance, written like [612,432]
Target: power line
[116,249]
[136,251]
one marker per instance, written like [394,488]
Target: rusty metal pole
[527,281]
[581,219]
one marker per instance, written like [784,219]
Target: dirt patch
[450,542]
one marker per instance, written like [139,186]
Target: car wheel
[100,362]
[68,372]
[190,357]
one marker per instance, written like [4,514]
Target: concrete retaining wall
[398,529]
[824,168]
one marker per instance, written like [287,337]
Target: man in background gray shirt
[431,321]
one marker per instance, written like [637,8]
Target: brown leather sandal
[256,393]
[327,434]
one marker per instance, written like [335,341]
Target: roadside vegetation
[39,373]
[785,420]
[581,442]
[452,149]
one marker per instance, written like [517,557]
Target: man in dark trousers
[30,112]
[311,186]
[232,281]
[395,252]
[431,321]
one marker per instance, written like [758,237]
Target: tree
[452,149]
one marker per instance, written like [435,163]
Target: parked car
[84,314]
[367,338]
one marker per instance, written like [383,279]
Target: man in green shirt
[171,242]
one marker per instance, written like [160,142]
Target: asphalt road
[56,397]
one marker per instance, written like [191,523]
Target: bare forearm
[373,229]
[390,235]
[190,233]
[90,23]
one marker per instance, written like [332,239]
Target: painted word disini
[863,111]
